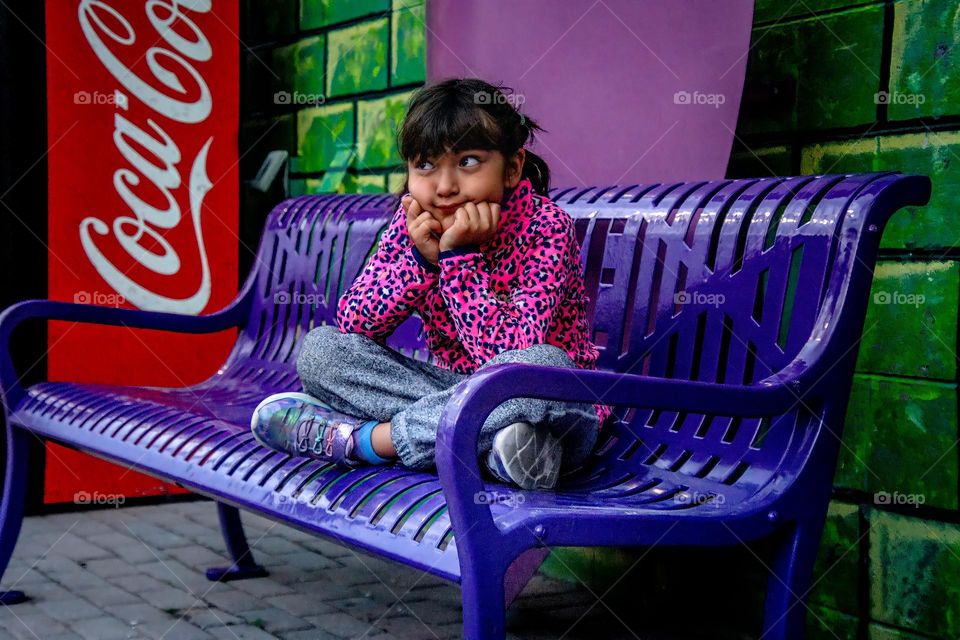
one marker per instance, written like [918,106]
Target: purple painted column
[629,90]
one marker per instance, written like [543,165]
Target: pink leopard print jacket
[521,288]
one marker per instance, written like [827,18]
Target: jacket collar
[512,199]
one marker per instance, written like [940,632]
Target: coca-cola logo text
[168,83]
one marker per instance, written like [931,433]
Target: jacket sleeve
[488,322]
[393,283]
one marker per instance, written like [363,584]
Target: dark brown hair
[469,113]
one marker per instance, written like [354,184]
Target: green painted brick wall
[358,58]
[838,86]
[377,123]
[408,40]
[924,61]
[322,13]
[826,81]
[331,76]
[839,558]
[911,323]
[898,439]
[914,565]
[932,153]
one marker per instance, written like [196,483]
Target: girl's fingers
[415,208]
[462,220]
[412,207]
[495,216]
[473,215]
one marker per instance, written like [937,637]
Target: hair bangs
[455,127]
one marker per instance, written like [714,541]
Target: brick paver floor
[137,572]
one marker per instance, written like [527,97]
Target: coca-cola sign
[110,34]
[143,187]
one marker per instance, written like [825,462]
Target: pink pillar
[629,90]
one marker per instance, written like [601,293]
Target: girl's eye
[420,166]
[465,158]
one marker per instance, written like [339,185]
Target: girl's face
[445,183]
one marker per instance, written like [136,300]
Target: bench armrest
[10,389]
[468,408]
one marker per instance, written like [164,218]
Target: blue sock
[363,444]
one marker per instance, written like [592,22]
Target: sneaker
[525,456]
[300,424]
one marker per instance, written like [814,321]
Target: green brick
[308,67]
[403,4]
[408,58]
[935,155]
[881,632]
[915,574]
[838,560]
[377,124]
[318,132]
[897,433]
[350,184]
[396,180]
[761,163]
[824,623]
[304,186]
[370,183]
[839,69]
[924,59]
[929,153]
[911,322]
[826,70]
[298,70]
[357,59]
[321,13]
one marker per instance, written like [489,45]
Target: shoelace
[303,429]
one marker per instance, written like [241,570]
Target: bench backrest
[720,281]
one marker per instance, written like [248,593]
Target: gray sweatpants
[365,379]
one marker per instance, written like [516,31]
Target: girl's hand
[423,229]
[474,223]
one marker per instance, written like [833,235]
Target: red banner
[142,102]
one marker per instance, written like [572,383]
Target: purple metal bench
[728,315]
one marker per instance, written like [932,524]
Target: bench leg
[243,565]
[785,607]
[11,507]
[484,610]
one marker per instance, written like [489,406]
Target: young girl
[491,266]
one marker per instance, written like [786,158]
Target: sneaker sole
[530,456]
